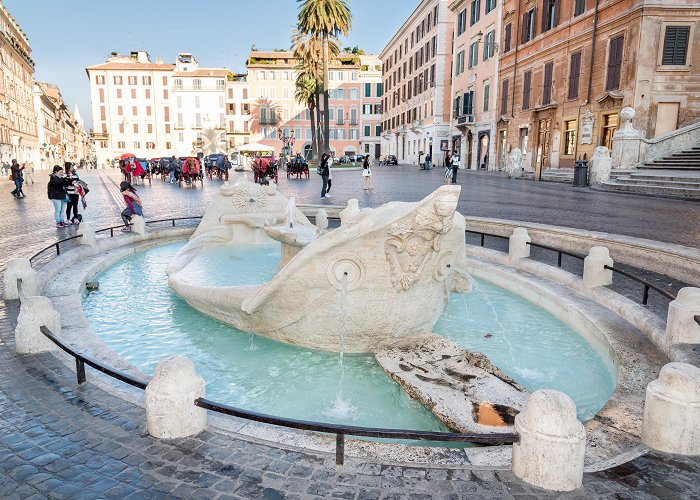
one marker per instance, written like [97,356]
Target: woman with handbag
[367,172]
[57,194]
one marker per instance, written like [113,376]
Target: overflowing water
[139,317]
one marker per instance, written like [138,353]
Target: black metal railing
[559,252]
[340,431]
[483,235]
[647,285]
[56,246]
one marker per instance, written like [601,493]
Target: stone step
[672,166]
[643,181]
[660,175]
[676,159]
[652,190]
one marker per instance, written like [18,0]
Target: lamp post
[287,142]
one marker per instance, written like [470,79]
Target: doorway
[542,158]
[377,151]
[483,150]
[610,124]
[502,150]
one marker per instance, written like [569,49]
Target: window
[261,75]
[119,93]
[675,46]
[165,93]
[527,78]
[102,96]
[574,75]
[148,93]
[462,22]
[473,54]
[121,144]
[220,84]
[100,79]
[549,15]
[137,145]
[547,89]
[177,83]
[378,130]
[121,128]
[117,80]
[579,7]
[368,130]
[150,145]
[489,44]
[354,135]
[368,90]
[506,38]
[487,96]
[166,113]
[569,137]
[198,120]
[148,111]
[353,116]
[134,110]
[149,127]
[340,117]
[196,83]
[120,111]
[165,80]
[490,5]
[167,145]
[504,97]
[133,93]
[146,80]
[528,25]
[354,94]
[460,64]
[132,80]
[474,18]
[196,101]
[614,63]
[468,103]
[136,128]
[307,133]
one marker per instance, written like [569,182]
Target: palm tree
[326,19]
[306,93]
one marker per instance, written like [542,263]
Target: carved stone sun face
[248,197]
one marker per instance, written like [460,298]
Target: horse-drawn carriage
[265,167]
[217,165]
[134,169]
[297,166]
[191,172]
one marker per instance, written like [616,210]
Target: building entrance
[542,153]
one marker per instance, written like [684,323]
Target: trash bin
[581,173]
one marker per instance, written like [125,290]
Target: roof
[218,72]
[136,66]
[50,90]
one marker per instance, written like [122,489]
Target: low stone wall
[676,261]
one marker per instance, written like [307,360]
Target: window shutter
[675,45]
[526,89]
[574,74]
[614,63]
[547,91]
[545,12]
[506,42]
[504,97]
[525,28]
[465,104]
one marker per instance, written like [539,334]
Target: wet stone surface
[60,440]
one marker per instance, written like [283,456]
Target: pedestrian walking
[72,195]
[16,176]
[133,204]
[455,167]
[325,171]
[427,161]
[448,167]
[172,168]
[57,194]
[367,172]
[330,179]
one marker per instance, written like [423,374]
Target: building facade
[371,105]
[47,128]
[477,26]
[417,84]
[569,66]
[18,124]
[237,111]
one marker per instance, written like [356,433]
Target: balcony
[464,120]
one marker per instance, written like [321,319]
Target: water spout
[290,213]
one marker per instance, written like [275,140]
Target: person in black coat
[57,194]
[325,173]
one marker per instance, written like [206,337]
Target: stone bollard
[518,247]
[322,220]
[594,272]
[681,327]
[138,225]
[672,410]
[34,313]
[350,213]
[87,231]
[20,269]
[552,442]
[170,409]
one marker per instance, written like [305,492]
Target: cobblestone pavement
[61,440]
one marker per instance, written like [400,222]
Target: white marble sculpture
[601,164]
[515,161]
[384,273]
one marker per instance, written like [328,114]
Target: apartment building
[569,66]
[417,72]
[18,125]
[279,120]
[47,112]
[371,105]
[477,25]
[238,114]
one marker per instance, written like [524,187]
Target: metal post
[58,249]
[111,232]
[339,449]
[559,259]
[646,294]
[173,222]
[482,239]
[80,370]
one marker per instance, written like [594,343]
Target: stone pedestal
[514,167]
[34,313]
[20,269]
[87,231]
[350,213]
[594,272]
[552,442]
[518,247]
[139,225]
[170,409]
[627,143]
[601,164]
[681,327]
[672,410]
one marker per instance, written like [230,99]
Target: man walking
[16,172]
[172,167]
[324,170]
[427,161]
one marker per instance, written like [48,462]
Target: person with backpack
[56,190]
[324,171]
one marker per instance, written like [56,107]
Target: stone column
[681,327]
[518,247]
[672,410]
[139,225]
[34,313]
[87,231]
[170,409]
[594,272]
[20,268]
[552,442]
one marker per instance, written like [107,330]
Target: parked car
[391,160]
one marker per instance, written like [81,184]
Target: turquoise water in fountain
[137,315]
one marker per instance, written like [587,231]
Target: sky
[66,36]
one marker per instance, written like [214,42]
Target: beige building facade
[417,84]
[371,105]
